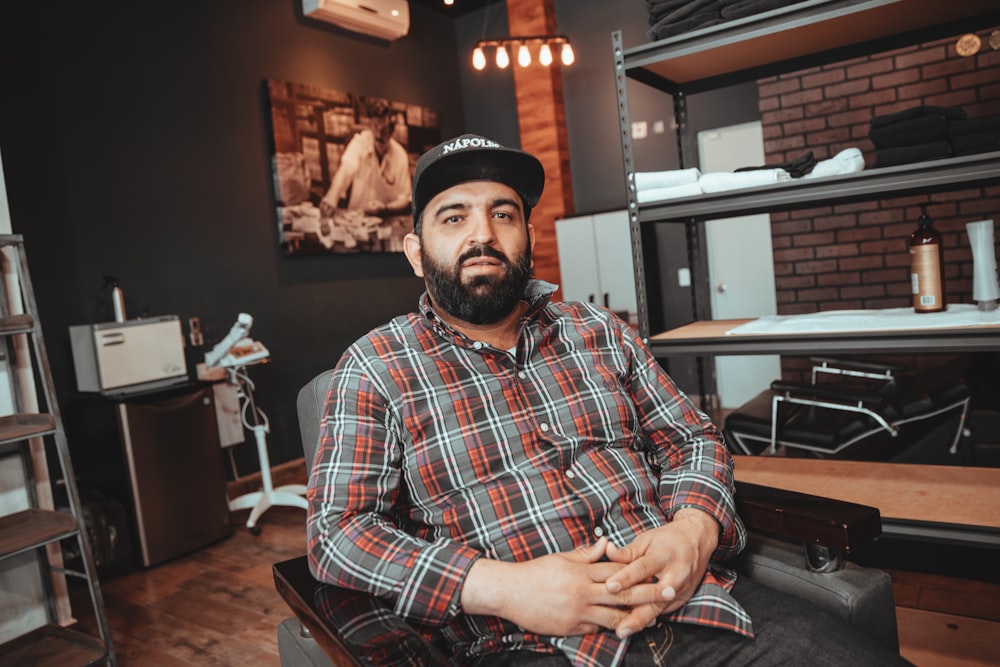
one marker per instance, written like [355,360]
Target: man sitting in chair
[523,475]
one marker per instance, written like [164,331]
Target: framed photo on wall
[343,166]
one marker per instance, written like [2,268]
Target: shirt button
[477,345]
[570,474]
[544,426]
[598,532]
[522,374]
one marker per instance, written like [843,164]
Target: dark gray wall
[135,143]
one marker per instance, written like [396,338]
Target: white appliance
[385,19]
[135,355]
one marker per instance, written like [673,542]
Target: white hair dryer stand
[234,353]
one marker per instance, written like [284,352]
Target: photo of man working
[523,475]
[374,171]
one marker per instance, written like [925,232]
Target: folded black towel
[911,131]
[664,29]
[888,157]
[972,144]
[659,8]
[952,113]
[739,10]
[967,126]
[687,10]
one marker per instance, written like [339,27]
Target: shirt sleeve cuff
[431,594]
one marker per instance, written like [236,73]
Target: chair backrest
[310,404]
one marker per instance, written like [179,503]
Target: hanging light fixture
[545,54]
[523,55]
[567,55]
[523,47]
[502,58]
[479,58]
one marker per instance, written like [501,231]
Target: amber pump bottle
[927,266]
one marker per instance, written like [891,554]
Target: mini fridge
[158,454]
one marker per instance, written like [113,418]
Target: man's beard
[483,299]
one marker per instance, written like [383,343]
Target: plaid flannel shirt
[436,450]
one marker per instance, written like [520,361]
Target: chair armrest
[831,392]
[355,629]
[809,519]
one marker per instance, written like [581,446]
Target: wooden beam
[541,115]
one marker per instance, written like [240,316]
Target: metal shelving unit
[57,537]
[802,35]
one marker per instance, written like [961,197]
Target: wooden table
[954,503]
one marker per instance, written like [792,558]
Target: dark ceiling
[460,7]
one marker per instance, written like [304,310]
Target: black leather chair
[863,410]
[797,545]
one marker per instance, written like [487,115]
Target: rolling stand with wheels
[235,353]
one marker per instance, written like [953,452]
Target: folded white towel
[724,180]
[673,192]
[647,180]
[847,161]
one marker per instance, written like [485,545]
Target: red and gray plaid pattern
[436,450]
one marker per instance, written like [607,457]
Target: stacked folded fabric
[673,17]
[975,135]
[913,135]
[737,9]
[672,184]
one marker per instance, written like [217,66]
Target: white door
[595,261]
[740,263]
[613,242]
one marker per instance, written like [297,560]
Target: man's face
[474,251]
[382,127]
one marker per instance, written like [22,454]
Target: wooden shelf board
[23,426]
[33,527]
[52,645]
[16,324]
[808,28]
[951,495]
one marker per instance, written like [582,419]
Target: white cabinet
[595,261]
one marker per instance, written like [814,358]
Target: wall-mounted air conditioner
[385,19]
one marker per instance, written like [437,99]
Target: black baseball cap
[471,157]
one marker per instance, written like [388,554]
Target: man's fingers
[589,553]
[638,619]
[636,572]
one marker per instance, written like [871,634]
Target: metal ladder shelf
[52,528]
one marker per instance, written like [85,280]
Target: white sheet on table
[957,315]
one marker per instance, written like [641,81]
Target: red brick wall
[856,255]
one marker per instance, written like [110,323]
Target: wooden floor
[218,606]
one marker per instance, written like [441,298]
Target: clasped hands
[599,586]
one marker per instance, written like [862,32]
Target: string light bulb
[568,57]
[523,55]
[449,3]
[502,58]
[479,58]
[545,55]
